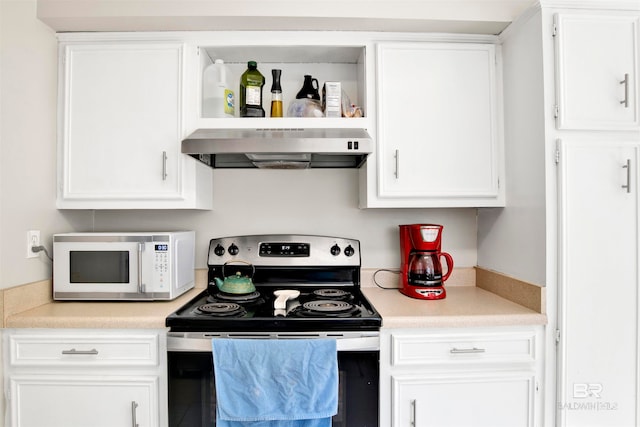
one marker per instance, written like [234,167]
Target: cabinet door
[68,401]
[597,71]
[121,131]
[598,295]
[438,139]
[464,399]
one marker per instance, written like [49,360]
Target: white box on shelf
[332,99]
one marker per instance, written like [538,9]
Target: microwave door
[102,269]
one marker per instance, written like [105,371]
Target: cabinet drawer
[425,349]
[83,350]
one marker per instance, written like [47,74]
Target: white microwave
[123,266]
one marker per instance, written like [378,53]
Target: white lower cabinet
[461,377]
[457,399]
[83,401]
[85,377]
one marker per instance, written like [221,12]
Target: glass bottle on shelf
[251,84]
[276,94]
[309,89]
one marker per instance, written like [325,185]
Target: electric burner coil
[237,298]
[333,294]
[222,309]
[325,308]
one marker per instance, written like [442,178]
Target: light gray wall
[247,201]
[253,201]
[28,76]
[513,240]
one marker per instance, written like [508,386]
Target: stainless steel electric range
[277,287]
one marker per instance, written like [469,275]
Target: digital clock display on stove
[284,249]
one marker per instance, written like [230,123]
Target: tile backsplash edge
[524,293]
[24,297]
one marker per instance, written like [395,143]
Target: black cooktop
[322,308]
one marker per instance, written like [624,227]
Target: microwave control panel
[160,265]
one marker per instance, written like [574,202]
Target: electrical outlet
[33,239]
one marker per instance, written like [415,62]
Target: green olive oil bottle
[251,84]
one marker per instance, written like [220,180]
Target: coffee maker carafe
[421,271]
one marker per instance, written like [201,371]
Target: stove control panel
[285,250]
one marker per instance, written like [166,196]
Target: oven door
[192,400]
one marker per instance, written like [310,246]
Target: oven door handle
[203,344]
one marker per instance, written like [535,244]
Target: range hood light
[280,161]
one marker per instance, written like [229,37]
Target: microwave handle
[141,287]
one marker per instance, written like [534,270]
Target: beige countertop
[94,314]
[464,306]
[31,306]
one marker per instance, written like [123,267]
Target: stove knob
[335,250]
[219,250]
[349,251]
[233,249]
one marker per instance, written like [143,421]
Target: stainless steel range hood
[280,148]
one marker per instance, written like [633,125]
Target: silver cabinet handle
[625,82]
[397,157]
[73,351]
[466,350]
[413,413]
[164,165]
[628,168]
[134,407]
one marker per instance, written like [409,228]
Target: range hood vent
[280,148]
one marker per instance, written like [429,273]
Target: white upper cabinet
[597,71]
[121,129]
[439,138]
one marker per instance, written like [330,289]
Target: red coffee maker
[421,271]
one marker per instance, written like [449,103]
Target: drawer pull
[467,350]
[73,351]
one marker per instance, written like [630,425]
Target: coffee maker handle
[449,265]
